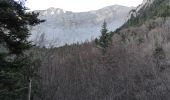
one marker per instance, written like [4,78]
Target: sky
[78,5]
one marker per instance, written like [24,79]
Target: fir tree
[105,38]
[14,32]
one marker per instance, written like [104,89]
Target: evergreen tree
[105,38]
[14,22]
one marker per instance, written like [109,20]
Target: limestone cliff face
[136,11]
[145,3]
[66,27]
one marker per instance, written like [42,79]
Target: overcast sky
[78,5]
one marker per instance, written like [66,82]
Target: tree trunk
[29,89]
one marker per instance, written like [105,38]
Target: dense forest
[131,63]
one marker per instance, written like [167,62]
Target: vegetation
[15,66]
[76,72]
[159,8]
[159,58]
[134,69]
[130,70]
[105,38]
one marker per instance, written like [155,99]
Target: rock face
[66,27]
[142,6]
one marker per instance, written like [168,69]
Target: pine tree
[14,32]
[105,38]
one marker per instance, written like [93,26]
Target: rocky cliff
[66,27]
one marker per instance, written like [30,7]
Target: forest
[131,63]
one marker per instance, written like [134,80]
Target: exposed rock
[66,27]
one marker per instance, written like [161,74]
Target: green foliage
[164,11]
[14,64]
[105,38]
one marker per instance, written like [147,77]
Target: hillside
[149,27]
[151,10]
[135,66]
[66,27]
[130,63]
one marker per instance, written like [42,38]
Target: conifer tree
[105,38]
[14,32]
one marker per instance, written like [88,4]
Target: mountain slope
[136,65]
[154,15]
[149,9]
[63,27]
